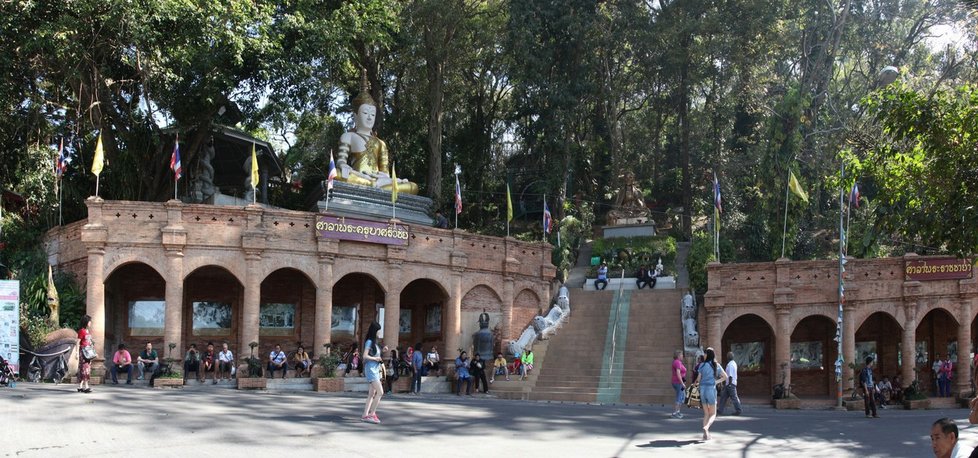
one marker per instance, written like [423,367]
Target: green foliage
[329,360]
[913,392]
[35,326]
[921,163]
[630,253]
[700,254]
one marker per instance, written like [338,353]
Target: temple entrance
[423,305]
[357,299]
[813,354]
[752,341]
[937,337]
[213,300]
[134,309]
[474,302]
[880,336]
[287,312]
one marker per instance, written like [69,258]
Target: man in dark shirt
[147,360]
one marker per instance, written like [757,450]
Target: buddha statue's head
[364,109]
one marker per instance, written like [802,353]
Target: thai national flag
[854,195]
[716,194]
[332,172]
[175,160]
[547,218]
[61,166]
[458,196]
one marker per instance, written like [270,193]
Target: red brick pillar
[506,327]
[962,373]
[782,345]
[392,317]
[94,235]
[324,304]
[174,239]
[848,346]
[251,309]
[907,345]
[453,317]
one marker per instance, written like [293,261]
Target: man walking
[730,390]
[869,388]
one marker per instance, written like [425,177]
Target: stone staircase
[574,360]
[590,359]
[521,389]
[654,333]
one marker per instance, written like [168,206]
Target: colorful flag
[393,184]
[854,195]
[53,301]
[716,194]
[458,196]
[332,172]
[99,161]
[254,169]
[175,160]
[547,217]
[509,205]
[61,165]
[796,188]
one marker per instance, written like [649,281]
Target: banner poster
[10,323]
[938,269]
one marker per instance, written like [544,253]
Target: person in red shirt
[84,364]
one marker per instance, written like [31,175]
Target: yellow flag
[795,187]
[509,205]
[254,168]
[393,184]
[53,301]
[99,160]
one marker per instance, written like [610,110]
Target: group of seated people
[644,276]
[887,391]
[220,364]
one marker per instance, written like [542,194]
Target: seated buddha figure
[363,158]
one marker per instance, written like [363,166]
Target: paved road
[47,420]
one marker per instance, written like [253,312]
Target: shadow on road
[668,444]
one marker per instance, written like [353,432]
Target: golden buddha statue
[363,158]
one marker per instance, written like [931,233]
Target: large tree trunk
[436,97]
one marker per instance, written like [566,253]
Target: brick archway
[880,333]
[135,294]
[936,334]
[813,355]
[751,339]
[356,297]
[425,301]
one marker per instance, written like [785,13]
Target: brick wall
[816,381]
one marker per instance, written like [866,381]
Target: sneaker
[115,382]
[679,415]
[375,418]
[869,416]
[367,419]
[129,383]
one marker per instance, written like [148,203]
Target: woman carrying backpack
[709,374]
[372,362]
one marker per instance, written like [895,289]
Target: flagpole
[848,215]
[842,262]
[61,194]
[96,185]
[326,208]
[784,231]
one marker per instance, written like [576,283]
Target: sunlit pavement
[49,420]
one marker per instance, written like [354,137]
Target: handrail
[614,330]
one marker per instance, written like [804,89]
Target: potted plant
[786,400]
[328,361]
[253,379]
[914,398]
[171,373]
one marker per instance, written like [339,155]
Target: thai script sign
[343,228]
[10,323]
[938,269]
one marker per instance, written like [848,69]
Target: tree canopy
[555,98]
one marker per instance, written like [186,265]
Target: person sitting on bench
[225,362]
[208,364]
[277,360]
[191,362]
[644,278]
[602,281]
[148,360]
[121,362]
[302,362]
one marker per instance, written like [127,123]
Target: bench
[664,282]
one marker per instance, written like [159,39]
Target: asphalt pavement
[49,420]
